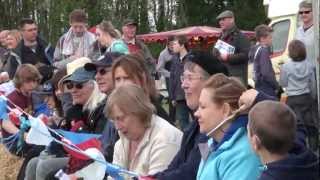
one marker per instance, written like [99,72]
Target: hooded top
[297,77]
[299,164]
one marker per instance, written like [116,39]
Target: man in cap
[102,68]
[197,69]
[237,62]
[129,29]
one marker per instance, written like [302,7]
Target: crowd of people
[214,127]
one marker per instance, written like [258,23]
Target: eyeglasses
[190,78]
[304,12]
[70,85]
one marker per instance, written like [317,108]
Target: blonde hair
[107,27]
[95,98]
[131,99]
[16,34]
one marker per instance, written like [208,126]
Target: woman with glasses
[147,142]
[109,37]
[227,154]
[132,69]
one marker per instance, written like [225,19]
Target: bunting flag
[38,133]
[79,145]
[3,108]
[82,141]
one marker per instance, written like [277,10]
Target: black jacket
[237,63]
[299,164]
[24,55]
[186,162]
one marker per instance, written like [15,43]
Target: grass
[9,164]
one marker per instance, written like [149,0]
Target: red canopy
[190,32]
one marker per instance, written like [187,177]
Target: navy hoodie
[300,164]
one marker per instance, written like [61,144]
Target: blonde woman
[109,37]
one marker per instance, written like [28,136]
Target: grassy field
[9,165]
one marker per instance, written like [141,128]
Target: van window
[280,35]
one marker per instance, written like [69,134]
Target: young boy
[272,134]
[298,78]
[259,54]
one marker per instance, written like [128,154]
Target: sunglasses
[76,85]
[304,12]
[103,71]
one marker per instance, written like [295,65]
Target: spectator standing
[236,62]
[163,69]
[176,93]
[129,30]
[297,77]
[76,43]
[263,73]
[165,59]
[305,32]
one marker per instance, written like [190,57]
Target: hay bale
[10,164]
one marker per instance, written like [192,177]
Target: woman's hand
[247,98]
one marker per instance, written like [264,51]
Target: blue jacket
[186,162]
[301,163]
[232,158]
[176,92]
[264,76]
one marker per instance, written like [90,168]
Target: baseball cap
[104,61]
[80,75]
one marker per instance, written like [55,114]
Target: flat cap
[129,21]
[225,14]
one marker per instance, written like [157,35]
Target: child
[259,54]
[272,134]
[298,79]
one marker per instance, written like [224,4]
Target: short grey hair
[305,4]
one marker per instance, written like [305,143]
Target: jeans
[39,167]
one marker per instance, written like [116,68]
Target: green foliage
[52,15]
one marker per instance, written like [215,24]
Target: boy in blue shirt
[272,134]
